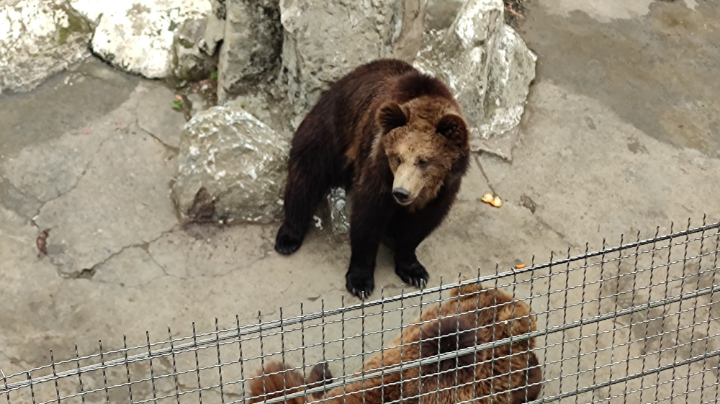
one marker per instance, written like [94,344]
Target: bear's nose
[401,194]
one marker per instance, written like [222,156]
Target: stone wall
[465,43]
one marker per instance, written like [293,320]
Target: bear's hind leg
[311,171]
[288,240]
[300,204]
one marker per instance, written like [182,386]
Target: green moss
[76,24]
[63,34]
[185,43]
[214,75]
[177,105]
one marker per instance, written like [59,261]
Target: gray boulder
[485,63]
[39,38]
[512,69]
[231,168]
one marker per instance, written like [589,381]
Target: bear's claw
[413,274]
[286,241]
[359,284]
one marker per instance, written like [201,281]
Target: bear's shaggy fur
[395,138]
[276,381]
[511,372]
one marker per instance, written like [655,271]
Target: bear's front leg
[409,269]
[410,229]
[360,275]
[367,224]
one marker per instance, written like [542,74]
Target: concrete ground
[620,135]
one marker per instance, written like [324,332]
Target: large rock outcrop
[512,69]
[466,43]
[252,41]
[39,38]
[231,167]
[313,42]
[138,35]
[486,64]
[324,40]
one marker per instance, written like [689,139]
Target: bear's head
[423,139]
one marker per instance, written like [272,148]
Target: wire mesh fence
[637,322]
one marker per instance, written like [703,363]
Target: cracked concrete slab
[474,185]
[18,202]
[53,168]
[63,103]
[131,267]
[122,199]
[39,118]
[156,116]
[48,170]
[25,277]
[209,251]
[602,10]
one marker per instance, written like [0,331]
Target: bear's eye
[397,159]
[422,163]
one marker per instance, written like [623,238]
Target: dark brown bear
[395,138]
[506,374]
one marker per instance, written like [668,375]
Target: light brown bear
[394,137]
[507,374]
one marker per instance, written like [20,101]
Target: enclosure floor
[620,135]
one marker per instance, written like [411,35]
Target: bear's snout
[401,195]
[407,184]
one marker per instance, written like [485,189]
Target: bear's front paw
[359,282]
[413,273]
[287,241]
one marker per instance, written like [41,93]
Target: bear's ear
[391,116]
[453,128]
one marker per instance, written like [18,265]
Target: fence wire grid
[637,322]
